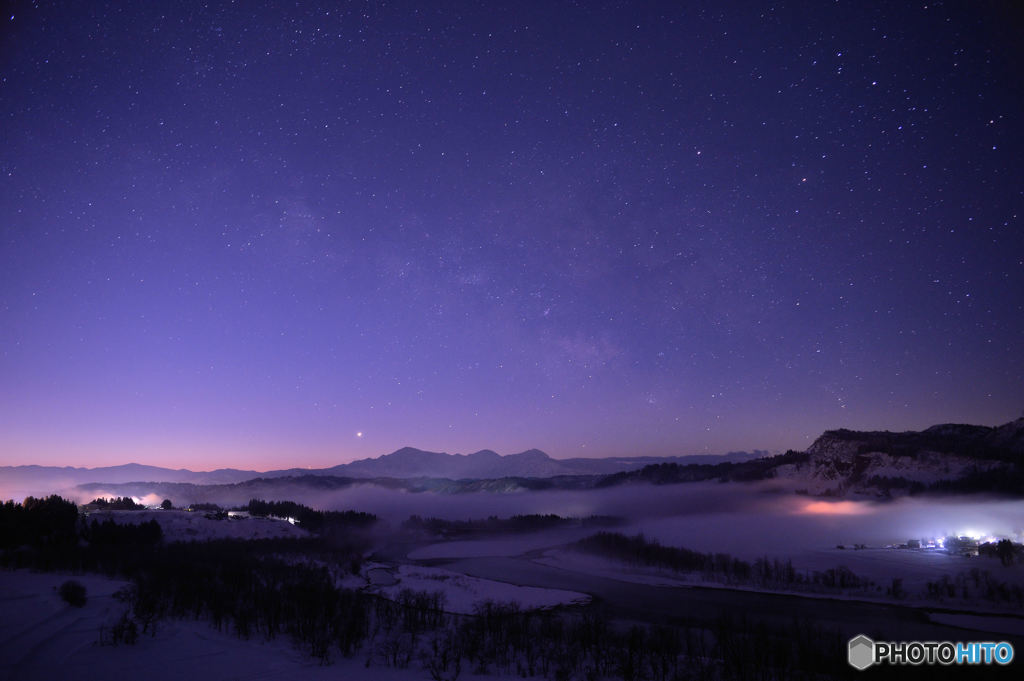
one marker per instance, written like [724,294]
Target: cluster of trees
[887,484]
[495,525]
[674,473]
[975,584]
[1004,549]
[979,442]
[49,534]
[312,519]
[639,550]
[249,588]
[110,533]
[717,566]
[205,506]
[116,504]
[38,522]
[1005,479]
[585,644]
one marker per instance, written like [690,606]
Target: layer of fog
[743,519]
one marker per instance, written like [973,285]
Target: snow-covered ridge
[843,461]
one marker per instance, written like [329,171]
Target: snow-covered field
[42,638]
[185,526]
[462,592]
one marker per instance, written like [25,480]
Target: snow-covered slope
[842,461]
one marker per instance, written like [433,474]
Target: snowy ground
[185,526]
[42,638]
[462,592]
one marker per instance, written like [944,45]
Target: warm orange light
[836,508]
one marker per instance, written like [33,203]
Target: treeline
[977,442]
[49,534]
[116,504]
[1005,550]
[310,519]
[249,589]
[674,473]
[110,533]
[1005,479]
[495,525]
[208,507]
[52,521]
[887,484]
[719,567]
[974,585]
[500,638]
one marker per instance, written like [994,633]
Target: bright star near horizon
[359,434]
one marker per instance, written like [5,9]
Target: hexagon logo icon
[861,654]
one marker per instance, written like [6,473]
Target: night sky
[295,234]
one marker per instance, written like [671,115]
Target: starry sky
[294,234]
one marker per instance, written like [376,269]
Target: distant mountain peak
[533,455]
[404,451]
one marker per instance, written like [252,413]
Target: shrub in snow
[73,593]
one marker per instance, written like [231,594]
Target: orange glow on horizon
[836,508]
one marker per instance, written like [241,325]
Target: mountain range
[947,458]
[404,463]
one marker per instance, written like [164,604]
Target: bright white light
[359,434]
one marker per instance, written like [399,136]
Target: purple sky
[243,235]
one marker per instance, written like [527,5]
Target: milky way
[263,235]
